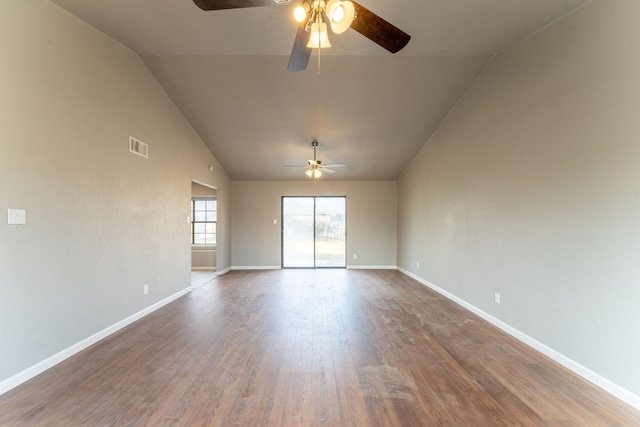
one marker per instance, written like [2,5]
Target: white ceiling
[227,72]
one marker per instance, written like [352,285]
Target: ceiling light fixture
[314,15]
[315,168]
[339,13]
[313,173]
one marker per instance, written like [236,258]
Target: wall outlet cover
[17,216]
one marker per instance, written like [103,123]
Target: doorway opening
[314,232]
[204,231]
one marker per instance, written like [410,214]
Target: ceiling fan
[312,31]
[314,168]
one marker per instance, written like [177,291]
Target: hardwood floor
[199,278]
[311,348]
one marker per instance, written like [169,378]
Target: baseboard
[350,267]
[203,269]
[256,267]
[372,267]
[225,271]
[597,379]
[38,368]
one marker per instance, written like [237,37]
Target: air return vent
[138,147]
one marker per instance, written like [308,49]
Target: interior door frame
[315,266]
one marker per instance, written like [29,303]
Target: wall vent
[138,147]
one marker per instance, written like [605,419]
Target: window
[204,217]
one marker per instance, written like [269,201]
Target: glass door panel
[297,232]
[330,232]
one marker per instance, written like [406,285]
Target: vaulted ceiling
[370,109]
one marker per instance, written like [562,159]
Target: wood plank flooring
[311,348]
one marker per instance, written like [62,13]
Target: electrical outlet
[275,222]
[145,289]
[355,256]
[496,298]
[17,216]
[418,264]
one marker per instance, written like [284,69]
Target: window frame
[194,222]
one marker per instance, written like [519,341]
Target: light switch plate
[17,216]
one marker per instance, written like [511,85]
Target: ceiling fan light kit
[313,173]
[339,13]
[314,168]
[312,30]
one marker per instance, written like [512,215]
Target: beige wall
[101,222]
[198,190]
[531,188]
[203,258]
[371,220]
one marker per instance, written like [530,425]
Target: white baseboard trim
[225,271]
[40,367]
[203,269]
[256,267]
[349,267]
[597,379]
[372,267]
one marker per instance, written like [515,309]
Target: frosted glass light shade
[299,13]
[318,39]
[341,14]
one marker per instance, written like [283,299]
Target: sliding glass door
[313,232]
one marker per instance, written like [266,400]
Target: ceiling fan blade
[378,30]
[336,165]
[328,170]
[300,53]
[230,4]
[294,166]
